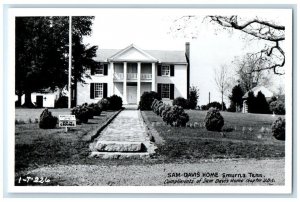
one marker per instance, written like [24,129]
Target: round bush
[153,104]
[90,110]
[96,109]
[47,121]
[214,121]
[180,101]
[115,102]
[175,116]
[161,109]
[157,106]
[104,104]
[147,99]
[81,113]
[277,107]
[278,129]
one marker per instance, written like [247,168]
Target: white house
[43,98]
[266,92]
[131,71]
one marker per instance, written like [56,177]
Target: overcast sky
[150,30]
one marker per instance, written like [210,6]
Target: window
[165,70]
[100,70]
[165,91]
[98,90]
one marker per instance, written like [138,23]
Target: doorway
[131,94]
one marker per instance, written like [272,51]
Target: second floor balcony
[132,76]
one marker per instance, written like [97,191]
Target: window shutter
[159,89]
[158,69]
[92,92]
[172,91]
[172,70]
[105,69]
[104,89]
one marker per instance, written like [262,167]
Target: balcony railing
[132,76]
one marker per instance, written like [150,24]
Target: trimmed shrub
[96,109]
[81,113]
[278,129]
[214,121]
[90,110]
[175,116]
[158,106]
[277,107]
[47,121]
[115,102]
[163,113]
[104,104]
[153,104]
[180,101]
[215,104]
[147,99]
[61,102]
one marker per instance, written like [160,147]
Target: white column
[125,83]
[138,95]
[111,85]
[153,77]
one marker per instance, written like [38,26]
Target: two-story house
[131,71]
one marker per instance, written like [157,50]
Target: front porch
[130,92]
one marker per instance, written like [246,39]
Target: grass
[35,147]
[24,115]
[243,136]
[63,157]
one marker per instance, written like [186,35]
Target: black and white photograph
[151,100]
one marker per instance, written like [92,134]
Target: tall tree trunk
[19,101]
[222,102]
[28,102]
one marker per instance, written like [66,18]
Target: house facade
[131,71]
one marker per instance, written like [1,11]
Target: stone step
[119,155]
[114,146]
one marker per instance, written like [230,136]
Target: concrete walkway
[125,136]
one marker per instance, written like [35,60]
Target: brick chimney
[187,50]
[187,55]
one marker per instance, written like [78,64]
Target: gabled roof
[267,93]
[118,56]
[161,56]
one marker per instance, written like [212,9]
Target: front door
[131,94]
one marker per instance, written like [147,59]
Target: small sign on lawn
[67,121]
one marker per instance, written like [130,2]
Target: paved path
[125,137]
[128,126]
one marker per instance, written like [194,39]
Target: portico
[132,67]
[135,77]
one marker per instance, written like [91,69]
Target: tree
[221,80]
[42,53]
[247,77]
[236,98]
[262,106]
[193,97]
[251,102]
[272,33]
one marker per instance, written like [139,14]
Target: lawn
[243,136]
[35,147]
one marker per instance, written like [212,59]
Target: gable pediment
[132,53]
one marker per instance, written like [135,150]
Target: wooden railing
[132,76]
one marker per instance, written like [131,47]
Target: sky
[149,29]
